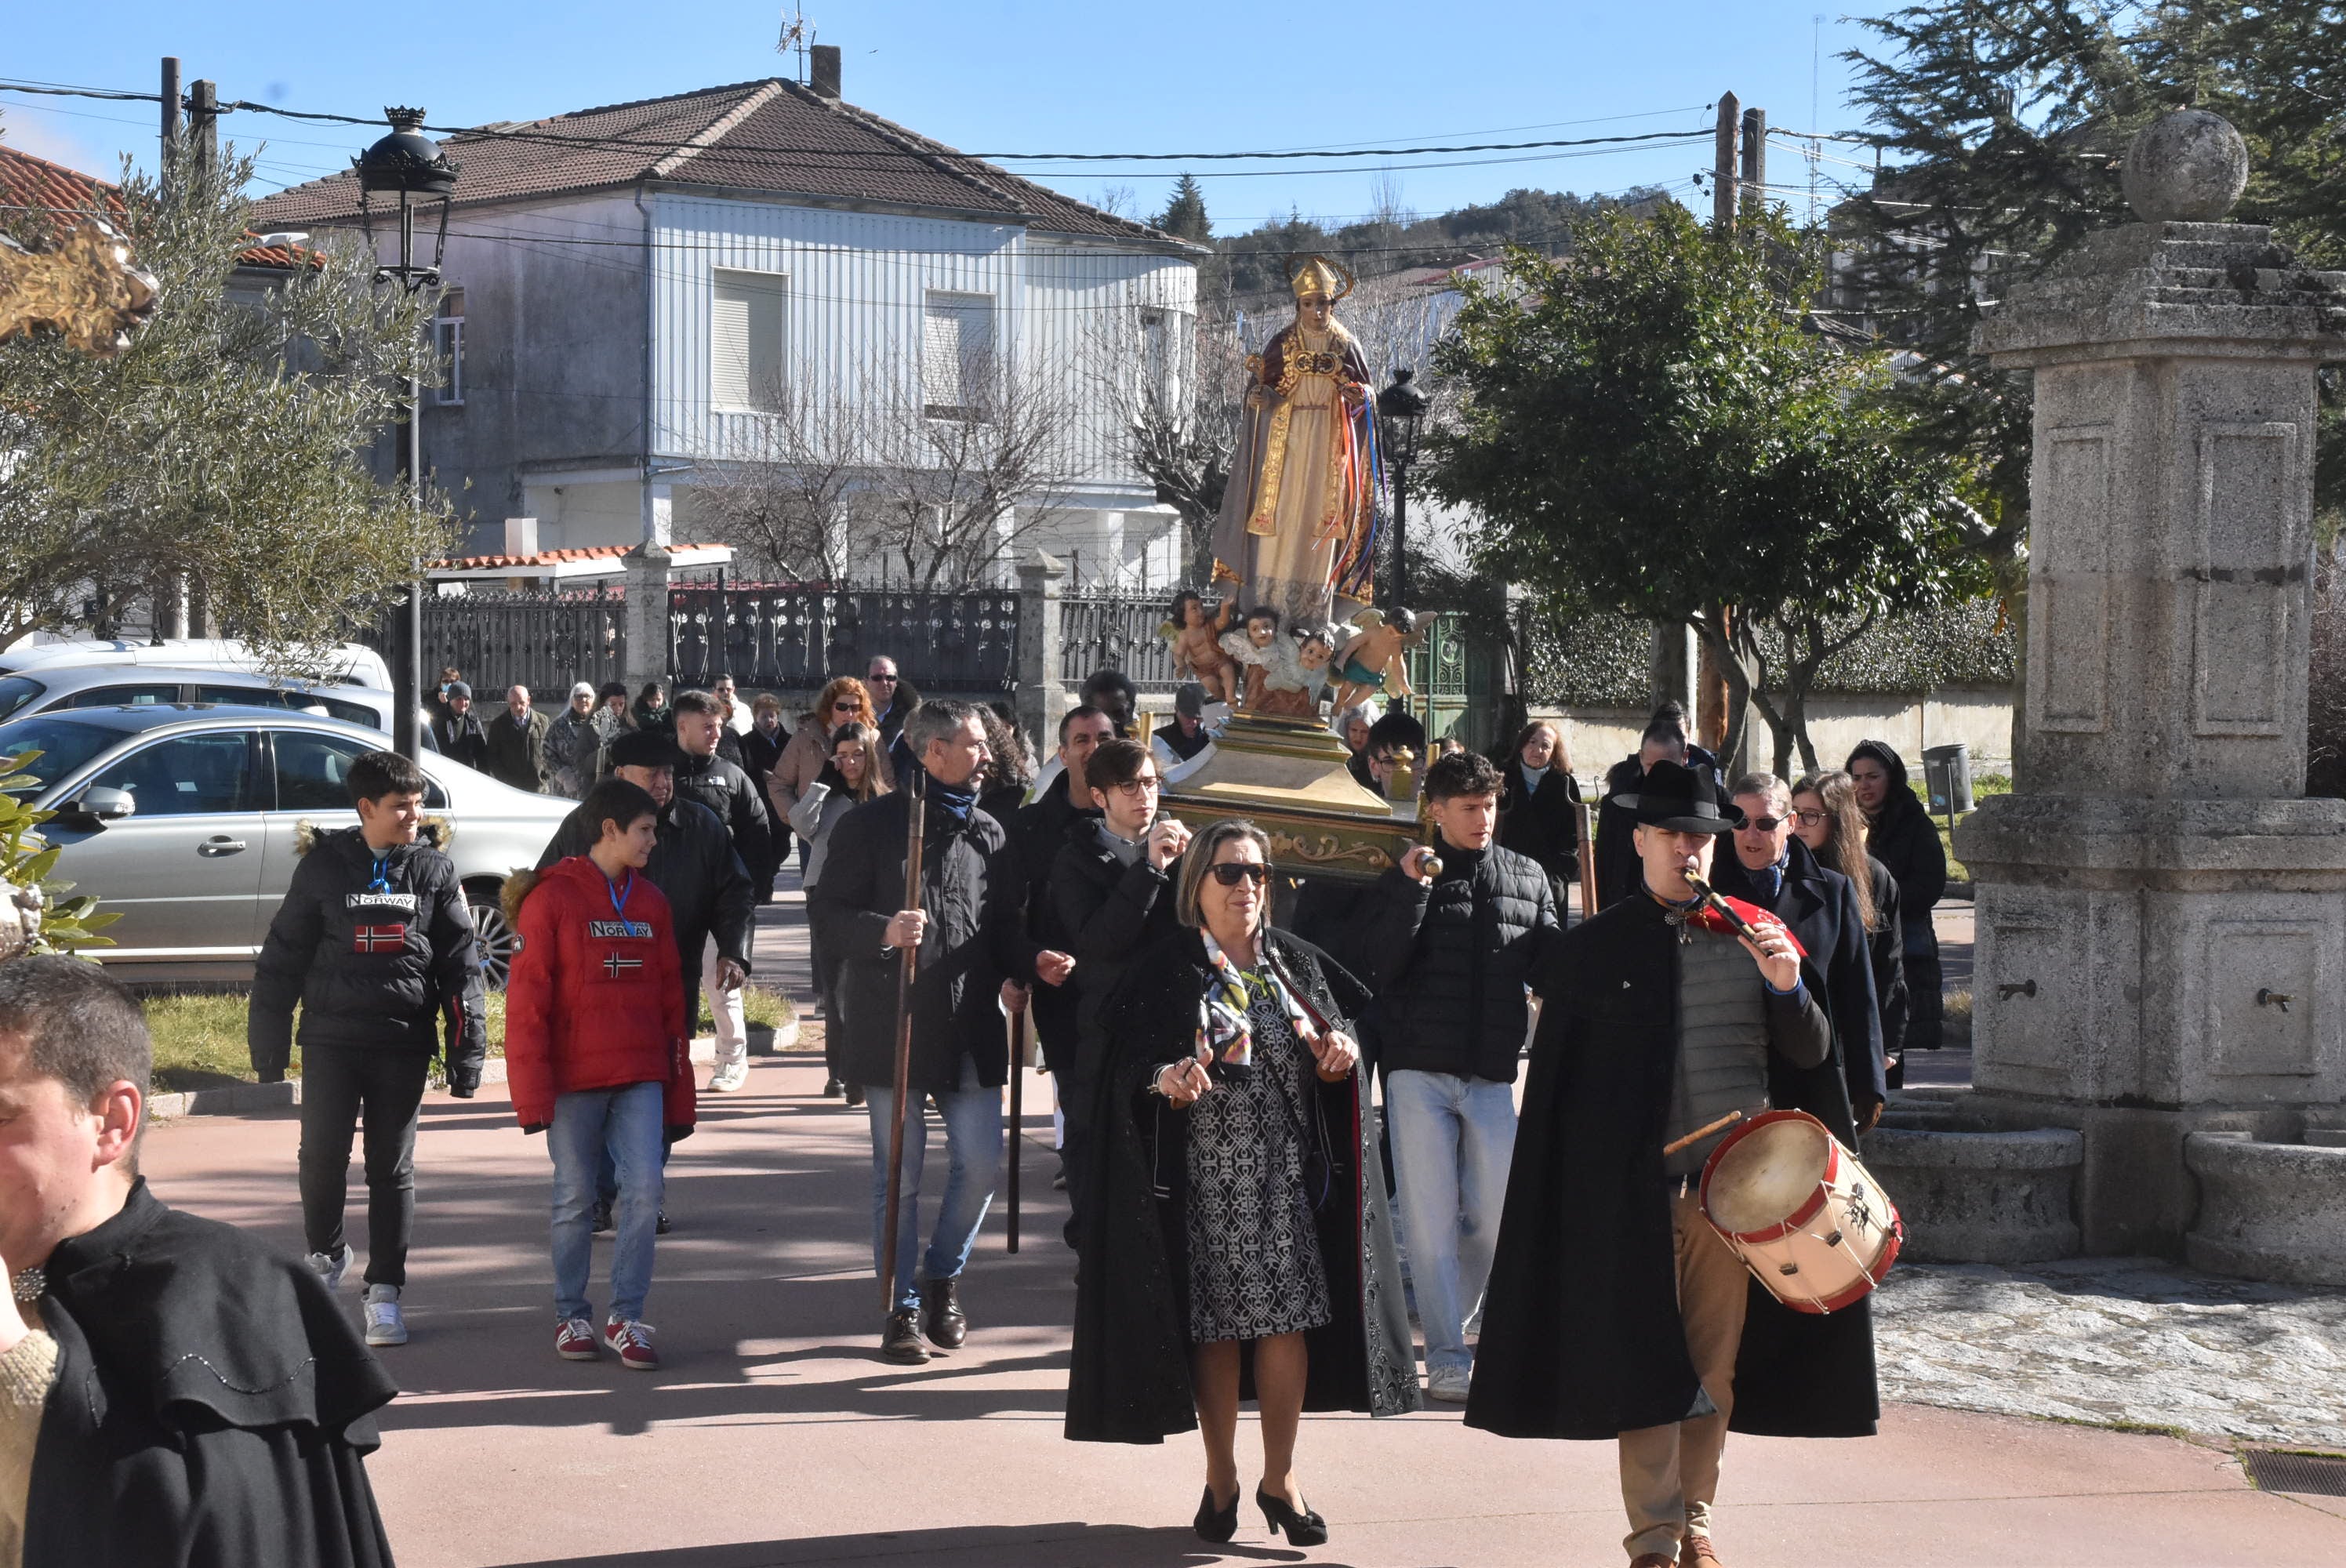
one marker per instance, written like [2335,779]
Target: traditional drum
[1806,1220]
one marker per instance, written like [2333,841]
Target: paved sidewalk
[774,1435]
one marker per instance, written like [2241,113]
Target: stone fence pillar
[647,616]
[2161,914]
[1042,695]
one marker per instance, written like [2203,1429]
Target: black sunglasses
[1231,872]
[889,679]
[1763,824]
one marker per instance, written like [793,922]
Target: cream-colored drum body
[1806,1220]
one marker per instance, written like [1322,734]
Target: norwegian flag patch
[378,938]
[617,967]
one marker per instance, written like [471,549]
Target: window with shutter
[448,343]
[957,355]
[745,349]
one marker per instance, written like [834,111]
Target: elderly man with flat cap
[1614,1312]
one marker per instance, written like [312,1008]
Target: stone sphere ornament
[2188,167]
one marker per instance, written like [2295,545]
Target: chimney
[521,535]
[822,70]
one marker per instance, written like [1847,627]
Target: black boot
[941,1314]
[832,1088]
[900,1339]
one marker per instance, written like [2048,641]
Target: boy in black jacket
[375,942]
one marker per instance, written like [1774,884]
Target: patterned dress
[1255,1267]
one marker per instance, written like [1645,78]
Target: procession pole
[911,958]
[1017,1110]
[1588,862]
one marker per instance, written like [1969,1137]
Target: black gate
[796,638]
[501,638]
[1101,631]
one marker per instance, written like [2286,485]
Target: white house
[638,295]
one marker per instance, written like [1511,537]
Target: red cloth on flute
[1710,919]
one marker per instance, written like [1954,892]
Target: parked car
[186,817]
[28,692]
[346,664]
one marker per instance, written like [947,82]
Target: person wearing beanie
[458,730]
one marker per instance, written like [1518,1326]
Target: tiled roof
[765,135]
[547,557]
[36,182]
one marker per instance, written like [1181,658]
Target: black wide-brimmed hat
[645,749]
[1681,798]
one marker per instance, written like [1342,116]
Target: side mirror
[97,805]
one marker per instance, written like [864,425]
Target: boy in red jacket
[595,1056]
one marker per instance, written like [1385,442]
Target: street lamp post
[409,163]
[1400,407]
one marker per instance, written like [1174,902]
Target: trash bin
[1947,774]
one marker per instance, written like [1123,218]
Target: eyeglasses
[1229,873]
[881,679]
[1138,788]
[1762,824]
[850,705]
[1810,818]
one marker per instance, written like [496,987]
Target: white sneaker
[730,1076]
[1448,1384]
[332,1266]
[384,1326]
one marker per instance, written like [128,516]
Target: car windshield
[16,691]
[64,745]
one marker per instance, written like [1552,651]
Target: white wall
[1979,716]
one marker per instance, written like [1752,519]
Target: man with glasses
[1771,868]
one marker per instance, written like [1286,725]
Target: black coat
[1039,833]
[213,1405]
[1581,1336]
[1449,962]
[695,867]
[1128,1374]
[1906,841]
[1111,914]
[740,804]
[1543,824]
[975,901]
[1332,913]
[1886,944]
[417,970]
[462,739]
[1822,909]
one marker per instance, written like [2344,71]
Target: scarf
[1767,881]
[1224,1035]
[956,800]
[1532,777]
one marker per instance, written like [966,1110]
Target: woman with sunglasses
[845,701]
[856,772]
[1240,1229]
[1830,822]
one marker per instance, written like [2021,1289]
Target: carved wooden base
[1290,777]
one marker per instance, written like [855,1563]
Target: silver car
[186,818]
[24,693]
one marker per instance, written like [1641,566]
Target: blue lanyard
[382,883]
[619,895]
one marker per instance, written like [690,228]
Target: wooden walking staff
[1588,862]
[1018,1111]
[914,843]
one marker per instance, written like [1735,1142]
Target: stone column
[2161,914]
[1042,697]
[647,616]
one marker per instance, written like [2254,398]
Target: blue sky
[1011,76]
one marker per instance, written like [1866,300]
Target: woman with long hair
[652,710]
[1830,822]
[856,772]
[846,700]
[1539,806]
[1241,1216]
[1009,771]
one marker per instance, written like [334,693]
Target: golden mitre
[1318,275]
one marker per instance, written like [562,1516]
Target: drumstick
[1699,1134]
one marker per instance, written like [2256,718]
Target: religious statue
[1196,635]
[1298,530]
[86,291]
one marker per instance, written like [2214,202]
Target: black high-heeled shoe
[1217,1525]
[1304,1528]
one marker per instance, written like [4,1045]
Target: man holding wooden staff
[964,932]
[1614,1311]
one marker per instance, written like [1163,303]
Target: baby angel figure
[1373,660]
[1197,639]
[1254,646]
[1298,675]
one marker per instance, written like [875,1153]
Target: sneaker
[332,1266]
[602,1222]
[574,1340]
[384,1326]
[632,1340]
[730,1077]
[1448,1384]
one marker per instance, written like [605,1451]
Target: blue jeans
[625,1123]
[973,1118]
[1452,1138]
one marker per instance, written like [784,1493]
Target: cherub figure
[1373,660]
[1298,675]
[1197,644]
[1253,647]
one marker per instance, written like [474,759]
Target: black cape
[212,1406]
[1581,1337]
[1128,1379]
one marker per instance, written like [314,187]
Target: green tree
[229,442]
[1185,212]
[1646,428]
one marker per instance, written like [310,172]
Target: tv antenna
[798,32]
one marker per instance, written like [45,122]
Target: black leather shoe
[941,1314]
[853,1095]
[1304,1528]
[900,1339]
[832,1088]
[1216,1523]
[602,1220]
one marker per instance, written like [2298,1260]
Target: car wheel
[495,933]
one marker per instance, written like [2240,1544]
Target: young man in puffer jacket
[375,942]
[596,1054]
